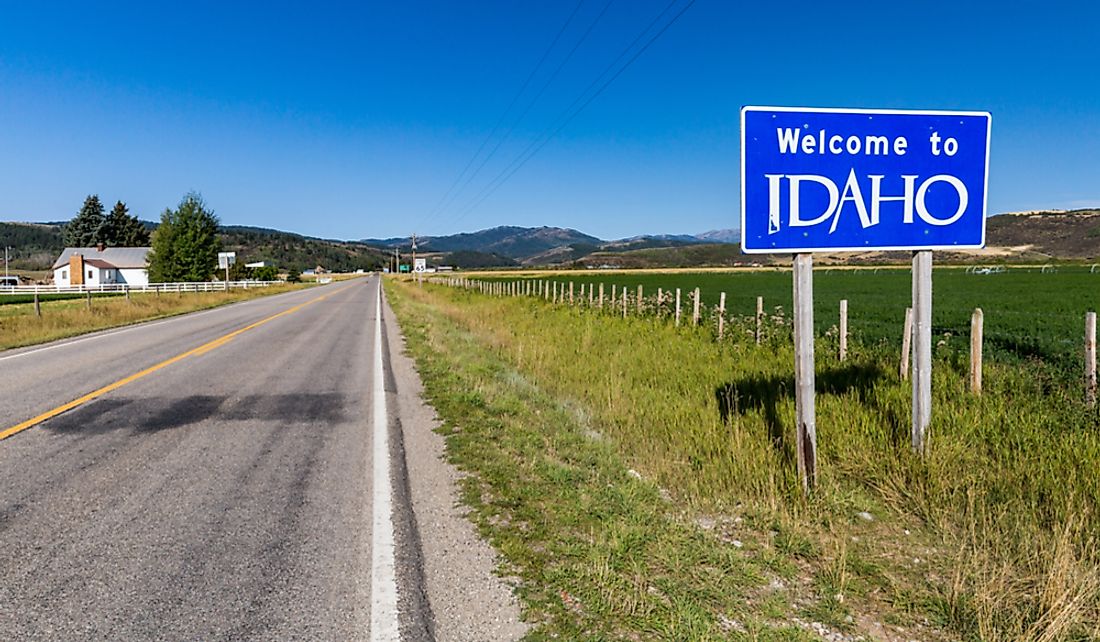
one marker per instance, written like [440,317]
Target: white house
[102,265]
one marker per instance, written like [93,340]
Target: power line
[536,145]
[534,100]
[508,109]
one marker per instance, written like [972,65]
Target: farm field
[639,477]
[18,299]
[65,315]
[1028,314]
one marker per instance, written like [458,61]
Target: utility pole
[6,248]
[414,253]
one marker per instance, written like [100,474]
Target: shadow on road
[154,414]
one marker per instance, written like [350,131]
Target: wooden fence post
[977,321]
[1090,358]
[570,293]
[614,295]
[591,297]
[601,296]
[843,329]
[906,344]
[677,307]
[660,300]
[37,305]
[695,312]
[624,301]
[759,318]
[721,315]
[640,308]
[89,299]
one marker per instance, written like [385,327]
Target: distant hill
[34,246]
[1058,235]
[518,243]
[535,246]
[678,256]
[37,245]
[732,235]
[286,250]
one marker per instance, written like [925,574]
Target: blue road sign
[862,179]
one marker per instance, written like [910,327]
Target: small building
[102,266]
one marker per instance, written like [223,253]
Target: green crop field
[1028,314]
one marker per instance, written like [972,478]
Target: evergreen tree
[87,228]
[123,230]
[186,245]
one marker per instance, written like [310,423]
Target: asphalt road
[254,488]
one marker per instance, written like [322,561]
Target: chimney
[76,269]
[99,247]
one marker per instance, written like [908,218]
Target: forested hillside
[35,246]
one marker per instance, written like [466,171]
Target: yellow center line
[203,349]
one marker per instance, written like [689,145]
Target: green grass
[990,537]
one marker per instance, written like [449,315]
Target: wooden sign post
[922,348]
[805,418]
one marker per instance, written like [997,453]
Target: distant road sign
[862,179]
[225,259]
[420,265]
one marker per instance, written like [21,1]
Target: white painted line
[383,586]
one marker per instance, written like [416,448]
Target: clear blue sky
[351,120]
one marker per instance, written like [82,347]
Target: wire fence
[1019,323]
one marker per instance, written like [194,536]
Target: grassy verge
[19,326]
[991,537]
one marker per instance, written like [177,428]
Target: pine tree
[87,228]
[123,230]
[186,244]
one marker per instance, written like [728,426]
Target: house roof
[100,263]
[115,257]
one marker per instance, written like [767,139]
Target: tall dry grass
[1005,500]
[19,326]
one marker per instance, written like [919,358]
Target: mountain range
[545,245]
[1015,237]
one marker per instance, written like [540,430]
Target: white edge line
[383,613]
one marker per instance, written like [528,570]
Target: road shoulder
[458,565]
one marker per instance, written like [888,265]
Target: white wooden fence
[122,288]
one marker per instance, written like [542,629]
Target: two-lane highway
[241,473]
